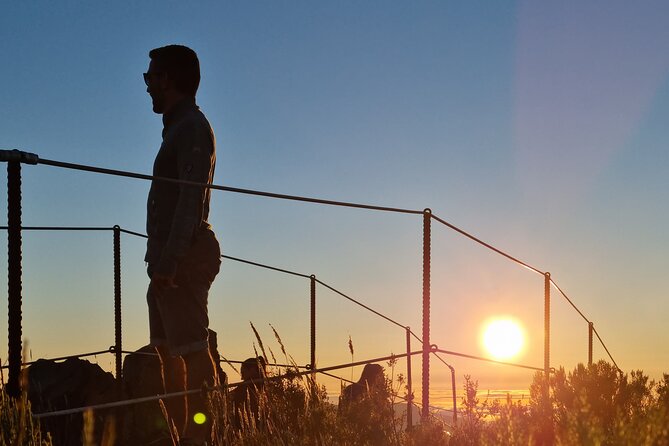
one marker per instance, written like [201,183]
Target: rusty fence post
[14,158]
[118,336]
[455,396]
[590,330]
[313,321]
[409,384]
[14,286]
[548,410]
[547,325]
[427,221]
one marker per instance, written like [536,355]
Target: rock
[144,423]
[67,385]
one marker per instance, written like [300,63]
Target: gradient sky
[540,127]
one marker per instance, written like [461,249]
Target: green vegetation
[592,405]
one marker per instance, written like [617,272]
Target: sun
[503,338]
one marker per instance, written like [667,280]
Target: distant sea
[442,399]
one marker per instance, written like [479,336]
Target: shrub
[592,405]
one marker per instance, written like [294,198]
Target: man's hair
[253,368]
[181,64]
[371,373]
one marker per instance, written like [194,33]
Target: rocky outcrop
[76,383]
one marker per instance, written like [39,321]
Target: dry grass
[593,405]
[17,427]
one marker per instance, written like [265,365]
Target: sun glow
[503,338]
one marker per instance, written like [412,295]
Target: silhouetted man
[366,407]
[183,255]
[244,397]
[371,379]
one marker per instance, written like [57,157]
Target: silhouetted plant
[17,427]
[295,410]
[592,405]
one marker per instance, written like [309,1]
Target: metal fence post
[547,326]
[455,397]
[14,276]
[548,417]
[590,330]
[313,321]
[409,385]
[547,430]
[118,337]
[427,220]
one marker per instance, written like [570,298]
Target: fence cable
[260,265]
[479,358]
[569,300]
[62,358]
[294,273]
[35,159]
[63,228]
[607,350]
[140,176]
[31,158]
[487,245]
[123,173]
[289,375]
[587,320]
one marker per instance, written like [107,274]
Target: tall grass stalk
[295,411]
[17,426]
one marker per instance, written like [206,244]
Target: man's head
[253,368]
[174,73]
[372,374]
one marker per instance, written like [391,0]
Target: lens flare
[199,418]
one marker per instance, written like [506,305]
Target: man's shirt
[176,212]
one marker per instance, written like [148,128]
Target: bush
[593,405]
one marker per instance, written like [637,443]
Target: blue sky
[539,127]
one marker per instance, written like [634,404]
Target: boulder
[66,385]
[144,423]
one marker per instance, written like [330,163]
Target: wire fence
[292,373]
[14,158]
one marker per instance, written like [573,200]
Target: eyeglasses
[149,75]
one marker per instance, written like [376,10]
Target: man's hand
[162,282]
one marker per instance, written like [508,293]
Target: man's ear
[165,82]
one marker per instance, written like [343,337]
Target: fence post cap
[17,155]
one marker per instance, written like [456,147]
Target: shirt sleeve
[195,160]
